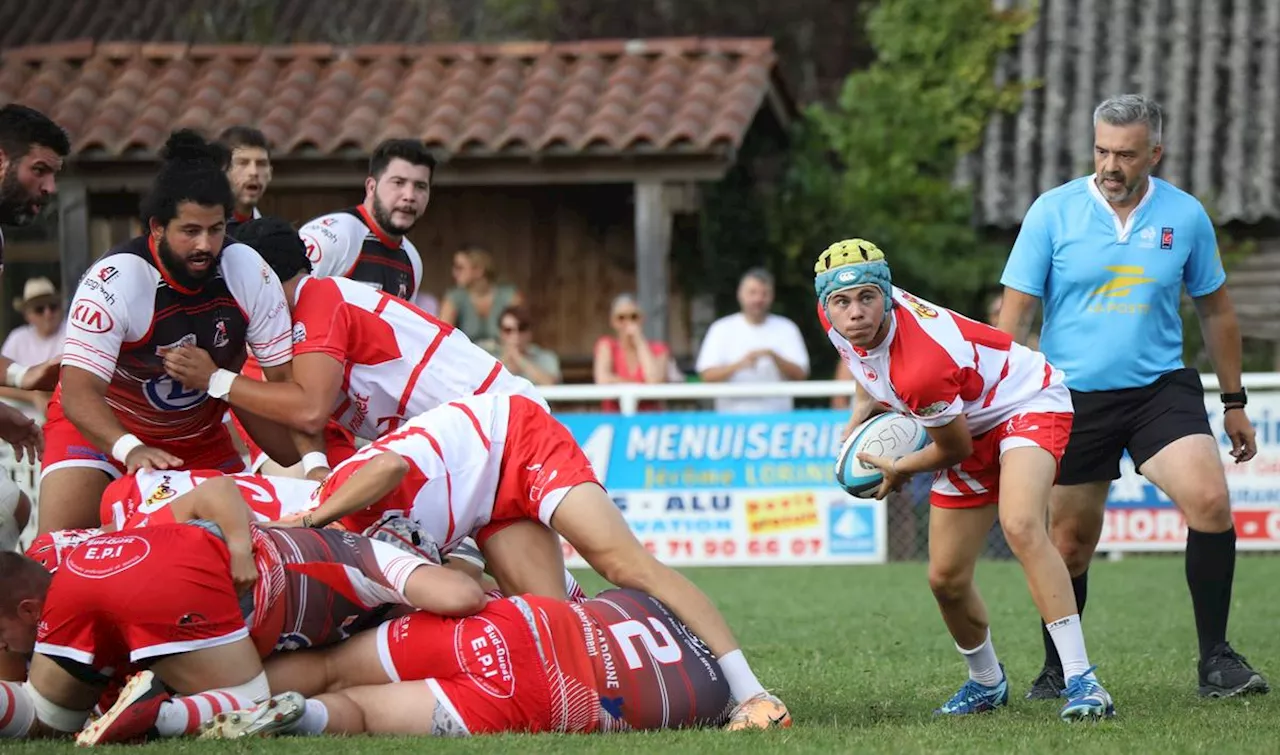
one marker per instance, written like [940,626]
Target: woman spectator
[520,354]
[474,304]
[627,356]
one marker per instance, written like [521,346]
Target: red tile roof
[121,99]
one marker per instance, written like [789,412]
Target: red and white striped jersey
[400,361]
[148,492]
[936,365]
[455,456]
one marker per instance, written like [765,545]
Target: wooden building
[567,161]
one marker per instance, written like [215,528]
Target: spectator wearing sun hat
[40,340]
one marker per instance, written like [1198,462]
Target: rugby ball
[890,435]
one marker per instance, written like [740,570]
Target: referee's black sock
[1211,569]
[1079,586]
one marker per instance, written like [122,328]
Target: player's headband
[849,264]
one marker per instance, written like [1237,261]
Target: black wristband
[1240,397]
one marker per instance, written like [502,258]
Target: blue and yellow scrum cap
[849,264]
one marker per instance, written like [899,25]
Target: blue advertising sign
[700,488]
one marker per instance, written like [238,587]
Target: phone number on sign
[765,547]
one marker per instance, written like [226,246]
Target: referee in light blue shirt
[1109,256]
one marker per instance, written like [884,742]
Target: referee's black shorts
[1141,420]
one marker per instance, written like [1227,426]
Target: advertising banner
[1141,518]
[701,489]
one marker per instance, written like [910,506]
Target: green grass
[862,658]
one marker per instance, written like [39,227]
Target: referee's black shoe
[1225,673]
[1049,685]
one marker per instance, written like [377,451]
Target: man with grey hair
[753,346]
[1110,255]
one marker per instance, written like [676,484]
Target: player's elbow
[462,597]
[393,465]
[312,420]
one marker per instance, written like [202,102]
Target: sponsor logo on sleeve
[933,410]
[314,253]
[90,316]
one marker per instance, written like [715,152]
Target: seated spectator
[427,302]
[520,354]
[627,356]
[40,340]
[753,346]
[474,304]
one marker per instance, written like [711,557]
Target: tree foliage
[880,162]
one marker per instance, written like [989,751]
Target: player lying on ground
[363,357]
[501,469]
[161,597]
[273,498]
[147,491]
[618,662]
[165,595]
[999,416]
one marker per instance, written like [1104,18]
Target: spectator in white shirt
[753,346]
[40,340]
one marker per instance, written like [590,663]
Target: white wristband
[124,446]
[314,460]
[220,383]
[15,374]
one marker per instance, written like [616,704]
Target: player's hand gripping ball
[888,435]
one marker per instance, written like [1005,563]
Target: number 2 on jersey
[666,652]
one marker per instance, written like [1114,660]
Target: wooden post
[74,249]
[653,248]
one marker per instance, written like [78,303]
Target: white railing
[629,395]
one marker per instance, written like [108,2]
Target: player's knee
[949,584]
[1207,508]
[1024,533]
[53,716]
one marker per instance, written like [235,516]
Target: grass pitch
[862,658]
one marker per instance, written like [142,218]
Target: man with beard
[367,243]
[1110,255]
[182,283]
[32,148]
[249,172]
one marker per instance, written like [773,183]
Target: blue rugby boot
[1086,698]
[977,698]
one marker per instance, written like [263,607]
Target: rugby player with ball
[998,416]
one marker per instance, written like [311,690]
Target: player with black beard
[365,243]
[182,283]
[32,148]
